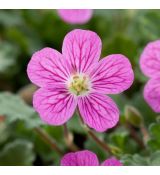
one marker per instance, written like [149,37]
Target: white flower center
[79,84]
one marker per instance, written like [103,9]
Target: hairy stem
[91,134]
[68,137]
[134,135]
[144,133]
[99,141]
[48,139]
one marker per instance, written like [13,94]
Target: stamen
[79,84]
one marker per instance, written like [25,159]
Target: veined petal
[75,16]
[112,162]
[80,158]
[54,105]
[150,59]
[47,67]
[112,75]
[98,111]
[82,48]
[152,93]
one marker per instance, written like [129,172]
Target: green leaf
[14,108]
[139,160]
[10,18]
[155,159]
[56,132]
[154,141]
[120,138]
[8,55]
[4,132]
[144,25]
[155,130]
[18,152]
[154,144]
[119,43]
[134,160]
[46,153]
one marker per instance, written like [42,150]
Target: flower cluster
[150,65]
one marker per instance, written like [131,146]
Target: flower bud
[158,119]
[115,150]
[133,116]
[26,93]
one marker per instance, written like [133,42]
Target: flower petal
[82,48]
[112,162]
[152,93]
[112,74]
[75,16]
[150,59]
[55,106]
[80,158]
[98,111]
[47,67]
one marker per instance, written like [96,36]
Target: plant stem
[134,135]
[144,133]
[101,143]
[48,139]
[68,137]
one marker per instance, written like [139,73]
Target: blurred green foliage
[22,32]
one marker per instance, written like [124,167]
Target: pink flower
[76,78]
[86,158]
[150,66]
[75,16]
[112,162]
